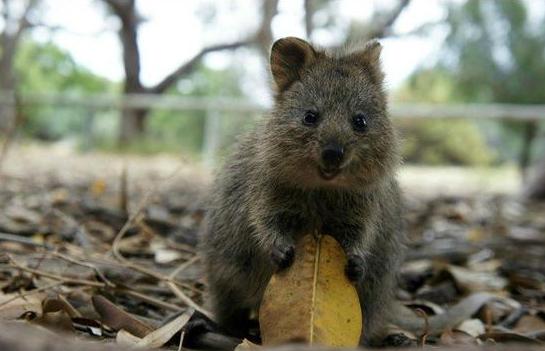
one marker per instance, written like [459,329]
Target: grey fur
[270,191]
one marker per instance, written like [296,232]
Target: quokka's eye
[310,118]
[359,122]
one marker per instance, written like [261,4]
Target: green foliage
[498,55]
[428,85]
[45,68]
[493,53]
[436,142]
[177,131]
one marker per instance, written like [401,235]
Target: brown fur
[271,190]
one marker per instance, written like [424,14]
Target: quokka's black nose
[332,155]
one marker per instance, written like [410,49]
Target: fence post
[7,111]
[88,129]
[211,138]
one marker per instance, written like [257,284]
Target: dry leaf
[312,301]
[13,306]
[161,336]
[457,337]
[51,305]
[247,345]
[529,323]
[473,281]
[473,327]
[117,318]
[123,337]
[98,187]
[55,321]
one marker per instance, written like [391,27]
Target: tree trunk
[9,40]
[534,185]
[133,125]
[7,80]
[133,121]
[528,135]
[264,34]
[309,14]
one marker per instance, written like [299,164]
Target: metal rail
[178,103]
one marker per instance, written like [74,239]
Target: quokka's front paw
[283,256]
[355,268]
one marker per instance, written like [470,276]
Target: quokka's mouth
[329,173]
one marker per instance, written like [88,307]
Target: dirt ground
[64,163]
[102,246]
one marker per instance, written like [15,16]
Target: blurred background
[114,115]
[178,81]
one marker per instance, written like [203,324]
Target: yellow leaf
[312,301]
[98,187]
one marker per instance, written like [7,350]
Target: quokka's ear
[289,56]
[369,59]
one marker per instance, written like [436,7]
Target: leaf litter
[115,260]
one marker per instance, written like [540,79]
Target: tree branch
[384,27]
[190,65]
[264,36]
[125,10]
[309,13]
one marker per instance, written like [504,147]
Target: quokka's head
[329,126]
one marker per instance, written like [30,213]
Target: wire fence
[215,110]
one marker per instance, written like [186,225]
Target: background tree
[133,121]
[495,54]
[45,68]
[16,20]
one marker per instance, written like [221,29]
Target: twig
[124,191]
[137,268]
[102,277]
[186,299]
[30,292]
[183,266]
[65,280]
[81,233]
[21,240]
[10,133]
[151,300]
[117,254]
[182,335]
[425,332]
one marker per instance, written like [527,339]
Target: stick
[30,292]
[60,278]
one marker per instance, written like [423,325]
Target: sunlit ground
[61,162]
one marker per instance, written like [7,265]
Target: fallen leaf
[312,301]
[508,337]
[123,337]
[55,321]
[473,327]
[60,303]
[13,306]
[473,281]
[247,345]
[117,319]
[457,337]
[162,335]
[529,323]
[98,187]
